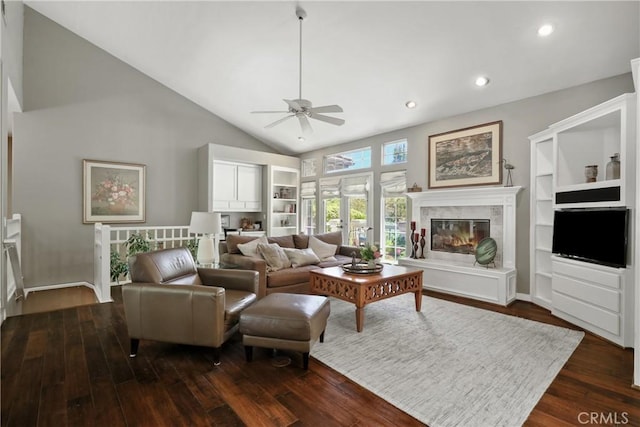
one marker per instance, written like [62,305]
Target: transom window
[309,168]
[348,160]
[394,152]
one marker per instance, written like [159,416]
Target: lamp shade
[205,223]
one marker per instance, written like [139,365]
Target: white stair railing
[13,237]
[108,238]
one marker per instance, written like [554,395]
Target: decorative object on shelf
[207,224]
[591,173]
[225,221]
[413,243]
[414,188]
[285,193]
[509,167]
[613,167]
[486,252]
[246,224]
[276,195]
[423,231]
[416,244]
[113,192]
[469,156]
[257,225]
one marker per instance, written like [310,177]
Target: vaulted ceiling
[370,57]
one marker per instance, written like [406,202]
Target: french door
[350,210]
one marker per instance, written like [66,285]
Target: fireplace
[458,236]
[455,273]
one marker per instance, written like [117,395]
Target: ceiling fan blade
[293,104]
[262,112]
[326,109]
[277,122]
[333,120]
[304,123]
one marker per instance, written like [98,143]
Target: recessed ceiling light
[482,81]
[301,138]
[411,104]
[545,30]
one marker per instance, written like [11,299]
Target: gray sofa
[291,280]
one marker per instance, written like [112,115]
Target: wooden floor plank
[52,411]
[71,367]
[251,403]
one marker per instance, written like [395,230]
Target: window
[309,214]
[346,206]
[394,152]
[348,160]
[309,168]
[394,221]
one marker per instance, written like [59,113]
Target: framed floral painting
[113,192]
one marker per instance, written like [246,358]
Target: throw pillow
[274,256]
[324,251]
[300,257]
[251,248]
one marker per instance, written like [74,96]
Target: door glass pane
[331,208]
[308,216]
[358,223]
[395,225]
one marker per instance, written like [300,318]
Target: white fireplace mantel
[496,285]
[481,196]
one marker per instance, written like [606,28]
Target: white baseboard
[523,297]
[27,291]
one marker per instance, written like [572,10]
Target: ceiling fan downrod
[301,14]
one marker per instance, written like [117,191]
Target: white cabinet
[236,187]
[596,297]
[541,218]
[283,201]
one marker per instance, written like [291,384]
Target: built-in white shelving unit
[541,217]
[591,138]
[596,297]
[283,201]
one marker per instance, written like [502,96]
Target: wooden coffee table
[362,289]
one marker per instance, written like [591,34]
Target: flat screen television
[597,235]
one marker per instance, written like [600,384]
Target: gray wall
[82,103]
[520,120]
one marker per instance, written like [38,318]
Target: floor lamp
[208,225]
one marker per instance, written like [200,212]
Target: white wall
[82,103]
[520,119]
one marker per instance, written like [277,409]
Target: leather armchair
[169,299]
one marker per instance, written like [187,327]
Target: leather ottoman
[285,322]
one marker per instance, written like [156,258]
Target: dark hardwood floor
[71,367]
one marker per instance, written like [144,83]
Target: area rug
[450,364]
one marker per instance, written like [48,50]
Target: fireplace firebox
[459,236]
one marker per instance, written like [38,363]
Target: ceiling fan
[301,108]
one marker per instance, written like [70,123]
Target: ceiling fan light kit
[302,108]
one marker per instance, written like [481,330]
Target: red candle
[413,225]
[423,231]
[417,237]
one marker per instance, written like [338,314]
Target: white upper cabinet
[236,187]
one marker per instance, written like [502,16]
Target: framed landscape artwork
[469,156]
[113,192]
